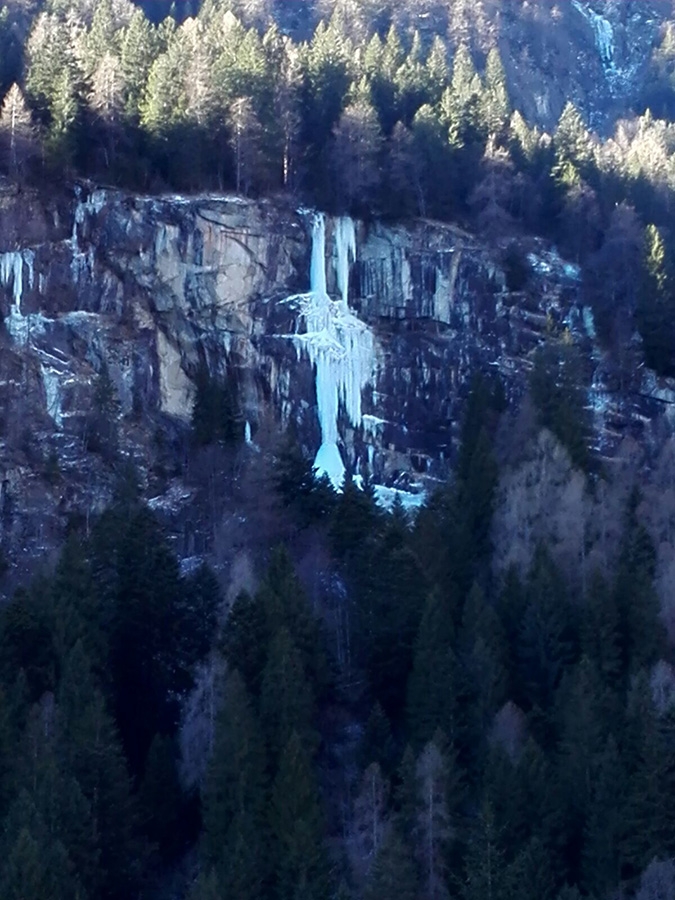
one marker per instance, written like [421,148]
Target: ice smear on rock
[338,344]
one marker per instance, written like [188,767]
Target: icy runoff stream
[339,345]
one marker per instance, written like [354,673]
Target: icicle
[345,245]
[247,434]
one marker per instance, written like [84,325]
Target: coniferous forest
[431,728]
[427,730]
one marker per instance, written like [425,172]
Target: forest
[426,729]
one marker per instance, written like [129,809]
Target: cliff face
[361,338]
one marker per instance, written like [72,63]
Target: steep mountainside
[360,339]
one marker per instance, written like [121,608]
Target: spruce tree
[297,851]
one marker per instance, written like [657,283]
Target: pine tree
[649,824]
[300,871]
[371,820]
[391,604]
[286,607]
[206,887]
[641,629]
[161,799]
[138,47]
[546,637]
[601,857]
[530,876]
[572,140]
[96,760]
[235,827]
[246,143]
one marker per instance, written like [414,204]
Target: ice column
[345,245]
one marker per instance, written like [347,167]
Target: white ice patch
[339,345]
[329,462]
[387,496]
[52,386]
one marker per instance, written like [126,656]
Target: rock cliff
[361,337]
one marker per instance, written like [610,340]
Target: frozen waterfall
[603,31]
[339,345]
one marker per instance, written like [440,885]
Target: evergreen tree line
[515,738]
[389,123]
[94,662]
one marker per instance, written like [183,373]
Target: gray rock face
[150,289]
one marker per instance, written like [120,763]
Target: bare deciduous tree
[433,820]
[17,135]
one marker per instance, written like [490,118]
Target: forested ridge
[424,729]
